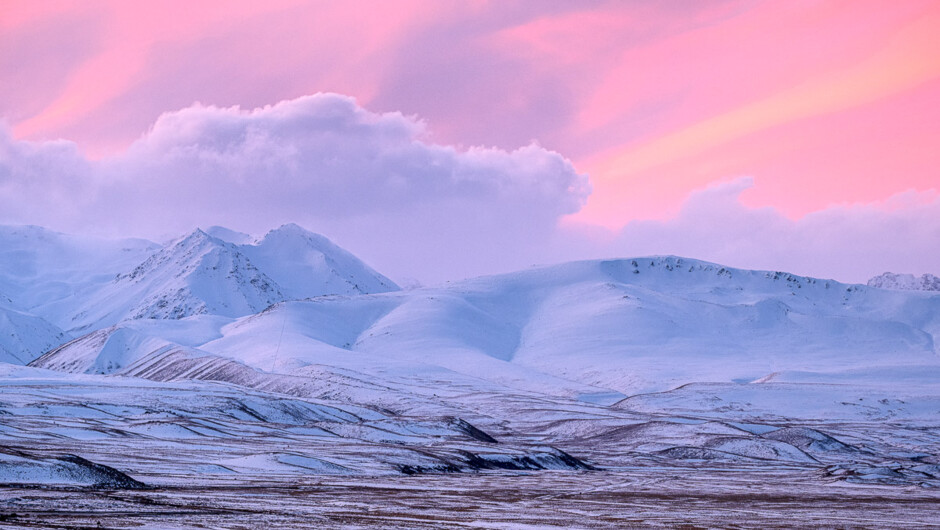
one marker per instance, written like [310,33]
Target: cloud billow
[320,160]
[41,180]
[324,152]
[377,185]
[851,242]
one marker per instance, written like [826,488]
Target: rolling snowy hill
[587,328]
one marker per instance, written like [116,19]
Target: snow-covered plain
[223,363]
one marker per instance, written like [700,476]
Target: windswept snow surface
[221,360]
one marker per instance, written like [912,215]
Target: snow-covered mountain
[905,282]
[40,268]
[220,359]
[197,274]
[594,328]
[618,326]
[83,284]
[305,264]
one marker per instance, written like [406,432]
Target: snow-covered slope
[595,328]
[51,282]
[201,274]
[627,325]
[905,282]
[305,265]
[39,267]
[197,274]
[23,336]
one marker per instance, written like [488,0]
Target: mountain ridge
[593,327]
[81,284]
[905,282]
[624,317]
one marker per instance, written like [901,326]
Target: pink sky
[822,104]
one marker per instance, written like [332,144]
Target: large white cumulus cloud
[372,181]
[326,151]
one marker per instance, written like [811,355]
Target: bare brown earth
[640,497]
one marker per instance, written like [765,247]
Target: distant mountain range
[293,299]
[286,354]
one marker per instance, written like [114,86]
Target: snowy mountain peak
[292,228]
[228,235]
[208,272]
[292,232]
[197,237]
[307,264]
[905,282]
[196,274]
[294,235]
[197,233]
[181,252]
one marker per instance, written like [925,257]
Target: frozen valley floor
[641,497]
[196,454]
